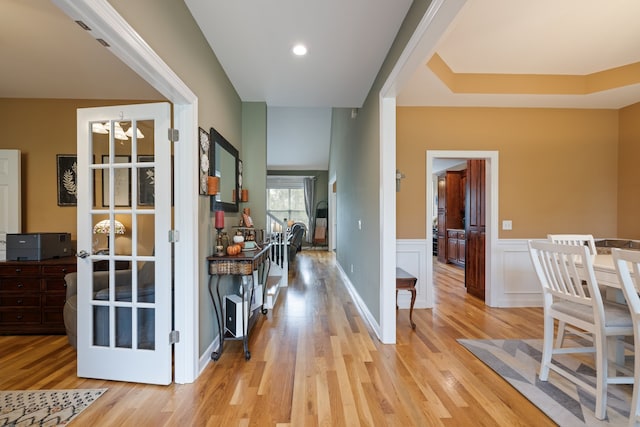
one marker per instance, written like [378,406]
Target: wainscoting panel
[516,278]
[411,256]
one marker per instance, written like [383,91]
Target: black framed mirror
[224,164]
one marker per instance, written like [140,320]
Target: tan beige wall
[557,167]
[628,176]
[41,129]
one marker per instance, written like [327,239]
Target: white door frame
[419,48]
[491,239]
[128,45]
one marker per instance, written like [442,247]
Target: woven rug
[518,362]
[44,407]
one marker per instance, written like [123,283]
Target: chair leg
[601,376]
[561,331]
[547,349]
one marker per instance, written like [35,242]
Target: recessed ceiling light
[300,50]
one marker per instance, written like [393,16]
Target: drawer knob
[19,317]
[20,285]
[18,270]
[19,302]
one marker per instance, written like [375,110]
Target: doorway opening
[491,191]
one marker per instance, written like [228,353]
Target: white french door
[125,262]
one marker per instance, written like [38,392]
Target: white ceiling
[46,55]
[347,42]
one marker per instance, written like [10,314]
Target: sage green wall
[254,160]
[168,27]
[355,161]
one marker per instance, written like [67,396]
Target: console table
[406,282]
[32,294]
[243,264]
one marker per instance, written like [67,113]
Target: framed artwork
[67,172]
[203,161]
[146,182]
[122,184]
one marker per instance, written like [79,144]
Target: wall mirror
[224,164]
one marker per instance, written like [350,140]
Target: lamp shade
[104,227]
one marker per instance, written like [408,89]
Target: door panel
[124,311]
[10,205]
[476,227]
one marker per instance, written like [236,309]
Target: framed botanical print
[146,182]
[67,172]
[122,184]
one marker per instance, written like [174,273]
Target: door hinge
[174,337]
[174,135]
[174,236]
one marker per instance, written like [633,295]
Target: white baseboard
[360,305]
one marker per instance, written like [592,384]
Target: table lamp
[104,227]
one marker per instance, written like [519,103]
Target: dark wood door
[475,227]
[442,223]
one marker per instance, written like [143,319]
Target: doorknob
[82,254]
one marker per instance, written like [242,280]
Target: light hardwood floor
[315,362]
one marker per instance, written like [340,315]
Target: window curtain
[309,184]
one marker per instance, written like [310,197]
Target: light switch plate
[507,224]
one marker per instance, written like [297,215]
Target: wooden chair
[580,240]
[561,270]
[623,260]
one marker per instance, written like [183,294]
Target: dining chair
[580,240]
[561,270]
[627,265]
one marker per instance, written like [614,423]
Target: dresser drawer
[57,270]
[461,235]
[20,284]
[19,270]
[53,300]
[20,316]
[452,234]
[52,316]
[8,300]
[55,285]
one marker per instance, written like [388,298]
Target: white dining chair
[580,240]
[627,265]
[561,270]
[576,239]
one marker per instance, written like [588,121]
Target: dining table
[605,271]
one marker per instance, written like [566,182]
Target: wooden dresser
[32,294]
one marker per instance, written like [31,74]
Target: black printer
[38,246]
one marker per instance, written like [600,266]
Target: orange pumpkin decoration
[234,249]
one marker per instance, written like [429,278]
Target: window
[287,203]
[285,199]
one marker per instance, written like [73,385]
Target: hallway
[315,362]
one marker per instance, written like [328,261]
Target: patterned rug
[518,362]
[44,407]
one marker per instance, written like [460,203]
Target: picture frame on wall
[67,178]
[146,182]
[122,184]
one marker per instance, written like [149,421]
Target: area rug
[518,362]
[44,407]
